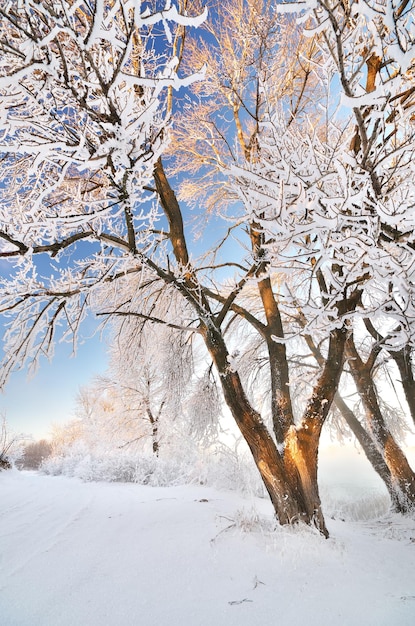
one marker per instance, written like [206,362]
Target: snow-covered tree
[85,90]
[321,213]
[34,454]
[369,48]
[157,391]
[64,436]
[11,445]
[149,370]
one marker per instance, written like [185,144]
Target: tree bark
[301,464]
[154,421]
[367,442]
[302,444]
[281,406]
[403,360]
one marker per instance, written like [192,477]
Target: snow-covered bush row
[114,467]
[224,469]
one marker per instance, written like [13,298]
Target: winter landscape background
[225,190]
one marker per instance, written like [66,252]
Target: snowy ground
[89,554]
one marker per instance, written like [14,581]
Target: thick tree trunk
[301,464]
[284,488]
[283,477]
[302,443]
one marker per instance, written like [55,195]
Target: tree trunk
[284,478]
[402,476]
[403,361]
[364,438]
[301,464]
[281,406]
[154,421]
[302,443]
[299,445]
[368,445]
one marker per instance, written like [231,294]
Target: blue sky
[31,405]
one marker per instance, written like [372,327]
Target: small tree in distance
[34,454]
[11,446]
[151,398]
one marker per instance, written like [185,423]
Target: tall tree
[372,47]
[326,207]
[85,101]
[226,136]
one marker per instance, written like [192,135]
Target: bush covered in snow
[222,467]
[113,467]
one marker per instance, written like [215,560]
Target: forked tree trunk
[302,443]
[283,483]
[290,478]
[366,441]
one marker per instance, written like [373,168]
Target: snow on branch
[85,92]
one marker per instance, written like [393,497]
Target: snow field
[116,554]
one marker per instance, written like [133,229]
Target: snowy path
[75,554]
